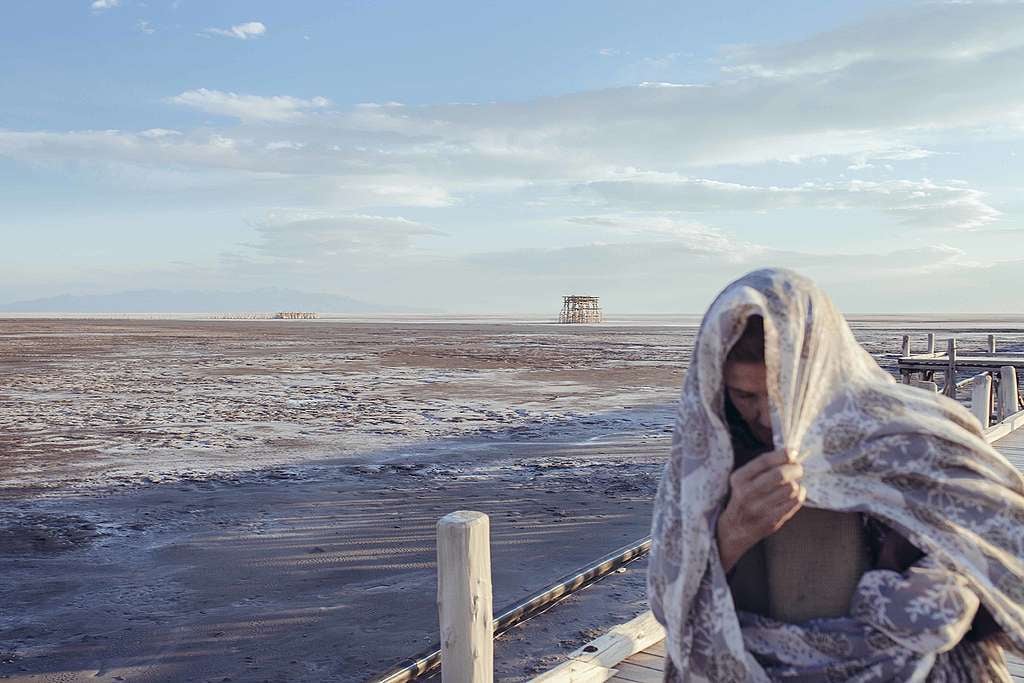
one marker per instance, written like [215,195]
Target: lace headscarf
[914,459]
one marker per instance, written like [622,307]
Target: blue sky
[469,156]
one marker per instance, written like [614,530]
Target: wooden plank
[981,398]
[1012,444]
[1000,430]
[1009,399]
[593,674]
[464,606]
[650,661]
[1016,668]
[658,649]
[941,361]
[931,355]
[638,674]
[608,651]
[950,389]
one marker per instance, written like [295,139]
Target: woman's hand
[763,495]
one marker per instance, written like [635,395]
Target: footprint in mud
[42,533]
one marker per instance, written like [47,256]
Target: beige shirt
[807,569]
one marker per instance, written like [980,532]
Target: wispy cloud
[276,108]
[324,236]
[250,29]
[945,32]
[660,226]
[921,203]
[100,5]
[145,27]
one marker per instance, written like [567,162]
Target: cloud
[862,111]
[923,203]
[318,237]
[284,144]
[661,226]
[277,108]
[100,5]
[250,29]
[943,32]
[661,61]
[153,147]
[145,27]
[646,182]
[156,133]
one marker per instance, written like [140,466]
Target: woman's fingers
[782,511]
[787,492]
[773,479]
[763,463]
[765,493]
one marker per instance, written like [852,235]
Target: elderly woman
[817,521]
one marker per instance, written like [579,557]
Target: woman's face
[748,391]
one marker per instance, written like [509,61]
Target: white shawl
[913,459]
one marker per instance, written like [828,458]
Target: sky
[491,157]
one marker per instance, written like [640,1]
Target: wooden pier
[922,368]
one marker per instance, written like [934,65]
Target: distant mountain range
[267,300]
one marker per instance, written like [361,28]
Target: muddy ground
[255,500]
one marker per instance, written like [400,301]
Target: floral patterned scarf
[913,459]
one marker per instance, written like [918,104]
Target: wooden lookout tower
[580,309]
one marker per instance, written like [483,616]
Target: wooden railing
[994,391]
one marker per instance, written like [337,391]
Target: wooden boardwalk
[647,665]
[939,363]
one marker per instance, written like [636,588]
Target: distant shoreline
[911,321]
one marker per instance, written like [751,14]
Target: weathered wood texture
[464,600]
[963,362]
[596,659]
[950,389]
[1009,395]
[646,665]
[981,398]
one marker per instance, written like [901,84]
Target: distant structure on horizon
[295,315]
[580,309]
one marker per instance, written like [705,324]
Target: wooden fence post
[931,342]
[1009,396]
[464,601]
[906,345]
[981,398]
[992,344]
[951,369]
